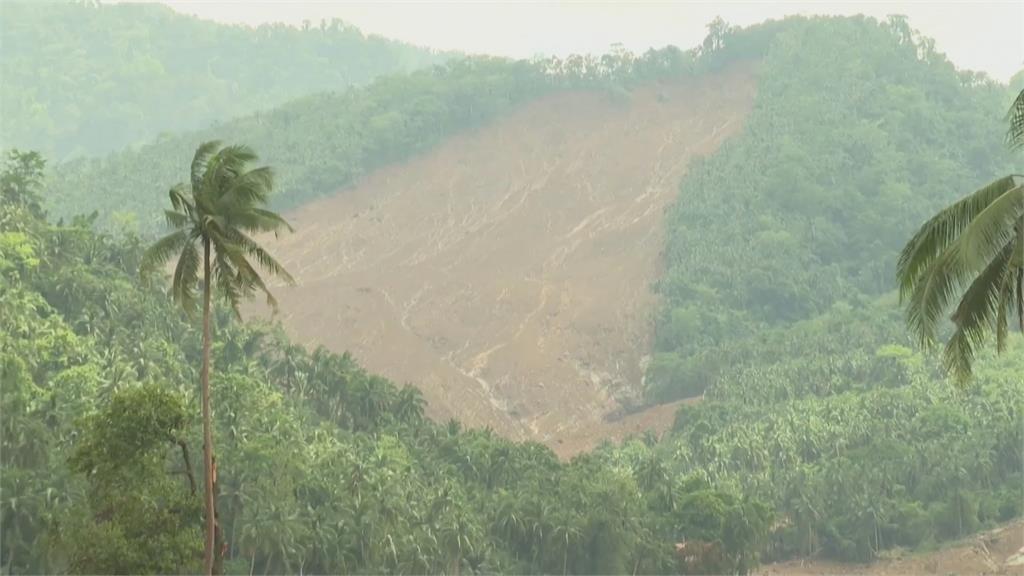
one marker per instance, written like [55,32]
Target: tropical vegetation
[976,244]
[214,217]
[321,466]
[823,429]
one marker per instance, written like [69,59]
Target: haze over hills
[83,78]
[558,255]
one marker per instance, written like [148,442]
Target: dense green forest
[323,468]
[823,430]
[851,145]
[84,78]
[780,303]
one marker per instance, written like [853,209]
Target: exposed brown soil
[508,272]
[999,551]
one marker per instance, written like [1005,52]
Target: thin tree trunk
[218,528]
[1020,297]
[188,466]
[565,555]
[204,379]
[1020,276]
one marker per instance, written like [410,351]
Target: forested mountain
[323,468]
[822,430]
[780,305]
[850,146]
[85,78]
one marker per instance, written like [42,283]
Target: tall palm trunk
[204,378]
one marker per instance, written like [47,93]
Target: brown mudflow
[508,272]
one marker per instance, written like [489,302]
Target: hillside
[506,260]
[700,244]
[512,267]
[321,465]
[83,78]
[326,142]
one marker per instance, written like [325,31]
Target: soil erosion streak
[508,272]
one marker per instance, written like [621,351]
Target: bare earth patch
[508,273]
[999,551]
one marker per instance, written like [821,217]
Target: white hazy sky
[979,35]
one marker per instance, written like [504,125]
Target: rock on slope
[508,272]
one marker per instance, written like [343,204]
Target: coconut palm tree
[213,217]
[974,248]
[1015,136]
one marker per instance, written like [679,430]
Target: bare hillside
[508,272]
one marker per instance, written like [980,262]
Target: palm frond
[186,278]
[257,220]
[222,204]
[238,155]
[161,252]
[249,188]
[180,201]
[993,227]
[231,162]
[1015,135]
[978,311]
[226,281]
[176,219]
[933,294]
[248,278]
[1003,307]
[200,160]
[263,258]
[933,238]
[984,237]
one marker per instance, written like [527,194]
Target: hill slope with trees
[822,432]
[84,78]
[780,306]
[322,467]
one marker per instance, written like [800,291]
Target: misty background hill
[84,78]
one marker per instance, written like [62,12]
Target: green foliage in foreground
[322,468]
[974,247]
[84,78]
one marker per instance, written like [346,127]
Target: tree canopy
[821,431]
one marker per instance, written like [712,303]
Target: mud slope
[997,551]
[508,273]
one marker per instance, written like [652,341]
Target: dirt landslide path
[998,551]
[508,272]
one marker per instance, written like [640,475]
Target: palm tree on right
[974,250]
